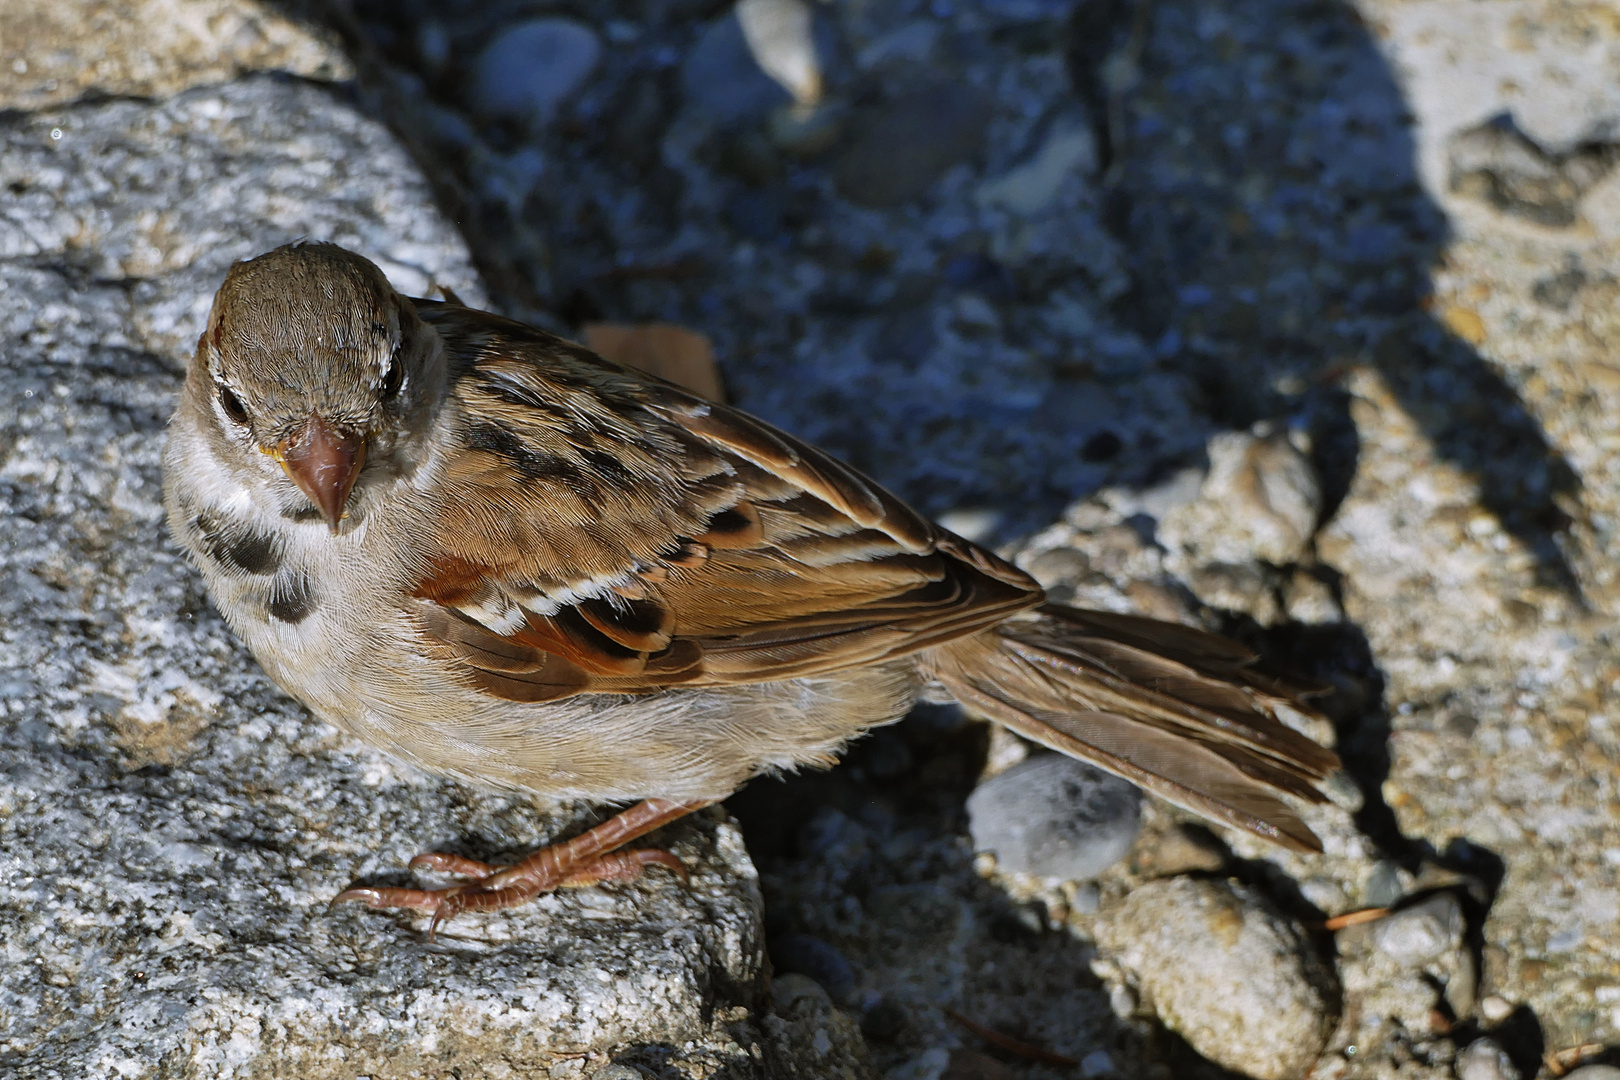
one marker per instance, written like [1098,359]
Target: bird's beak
[324,463]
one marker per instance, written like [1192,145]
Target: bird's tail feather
[1176,711]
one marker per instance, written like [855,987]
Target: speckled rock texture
[54,53]
[171,827]
[1227,972]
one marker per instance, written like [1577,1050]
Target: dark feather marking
[494,439]
[303,514]
[516,393]
[247,550]
[292,599]
[608,467]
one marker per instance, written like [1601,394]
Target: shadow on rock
[1279,235]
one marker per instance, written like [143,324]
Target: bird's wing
[604,531]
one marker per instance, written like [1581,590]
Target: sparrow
[493,553]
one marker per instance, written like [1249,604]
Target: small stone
[1055,817]
[1027,188]
[805,132]
[1423,931]
[811,957]
[1495,1009]
[530,70]
[1385,885]
[1228,972]
[1096,1063]
[1060,566]
[1260,501]
[721,79]
[1484,1059]
[816,1030]
[780,35]
[615,1071]
[1184,849]
[1308,599]
[898,149]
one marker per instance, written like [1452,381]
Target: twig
[995,1038]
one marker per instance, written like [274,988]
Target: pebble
[1028,188]
[721,79]
[1384,884]
[1484,1059]
[1226,971]
[780,35]
[1260,501]
[1055,817]
[1422,931]
[898,149]
[816,959]
[530,70]
[1495,1009]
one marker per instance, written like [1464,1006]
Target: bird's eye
[392,380]
[232,405]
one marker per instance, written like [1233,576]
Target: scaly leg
[590,857]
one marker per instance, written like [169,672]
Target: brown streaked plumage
[499,555]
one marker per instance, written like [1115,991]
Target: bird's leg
[588,858]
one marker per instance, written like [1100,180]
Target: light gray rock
[1484,1059]
[1259,502]
[52,52]
[1055,817]
[1422,931]
[1225,970]
[171,826]
[533,68]
[780,35]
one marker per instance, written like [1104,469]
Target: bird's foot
[587,859]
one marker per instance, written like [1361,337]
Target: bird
[491,552]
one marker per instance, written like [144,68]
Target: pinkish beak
[324,463]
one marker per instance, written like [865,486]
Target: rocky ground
[1287,317]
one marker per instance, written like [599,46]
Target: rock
[1227,972]
[1055,817]
[1408,965]
[171,826]
[1386,884]
[1484,1059]
[1260,501]
[721,79]
[530,70]
[53,52]
[780,35]
[1423,931]
[1069,148]
[1496,163]
[1495,1009]
[898,149]
[822,1041]
[810,957]
[1463,66]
